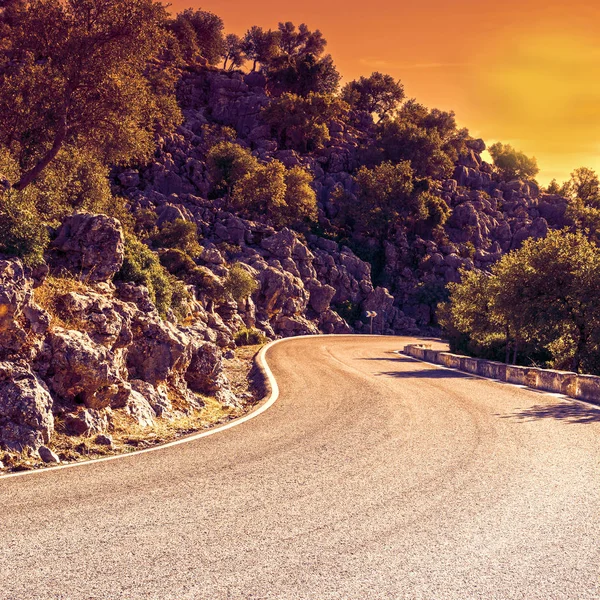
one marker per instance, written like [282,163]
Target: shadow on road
[394,358]
[571,413]
[426,374]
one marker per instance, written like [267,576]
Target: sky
[522,72]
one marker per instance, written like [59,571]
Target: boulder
[320,295]
[205,373]
[26,419]
[77,369]
[47,455]
[18,312]
[91,247]
[86,422]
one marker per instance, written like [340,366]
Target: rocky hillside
[79,343]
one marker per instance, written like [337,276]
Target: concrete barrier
[588,388]
[581,387]
[470,365]
[449,360]
[493,370]
[559,382]
[431,355]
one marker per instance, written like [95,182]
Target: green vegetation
[512,164]
[240,283]
[379,94]
[250,337]
[142,267]
[179,234]
[539,304]
[300,122]
[282,195]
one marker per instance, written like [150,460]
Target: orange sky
[526,73]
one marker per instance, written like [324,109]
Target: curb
[557,395]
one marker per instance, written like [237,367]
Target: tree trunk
[29,176]
[581,344]
[515,351]
[507,352]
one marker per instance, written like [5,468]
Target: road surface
[373,476]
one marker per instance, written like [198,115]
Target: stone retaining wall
[581,387]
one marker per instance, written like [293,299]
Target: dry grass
[128,436]
[48,295]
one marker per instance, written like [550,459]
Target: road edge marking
[271,396]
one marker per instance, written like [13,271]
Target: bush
[142,267]
[227,163]
[511,164]
[250,337]
[181,265]
[348,310]
[239,283]
[22,233]
[179,234]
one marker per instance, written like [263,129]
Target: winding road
[373,476]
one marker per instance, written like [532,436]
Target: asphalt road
[373,476]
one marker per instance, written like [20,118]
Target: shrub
[22,233]
[250,337]
[179,234]
[181,265]
[348,310]
[239,283]
[142,267]
[227,163]
[512,164]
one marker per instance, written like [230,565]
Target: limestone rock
[91,247]
[26,419]
[47,455]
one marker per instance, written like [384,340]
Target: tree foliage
[429,139]
[239,283]
[512,164]
[298,66]
[301,123]
[233,53]
[379,94]
[199,35]
[584,185]
[283,196]
[260,46]
[76,74]
[541,302]
[227,163]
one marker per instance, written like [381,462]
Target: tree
[380,94]
[199,33]
[512,164]
[430,140]
[260,46]
[299,122]
[227,163]
[585,185]
[300,198]
[283,196]
[77,74]
[544,299]
[385,193]
[299,66]
[240,283]
[261,191]
[232,52]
